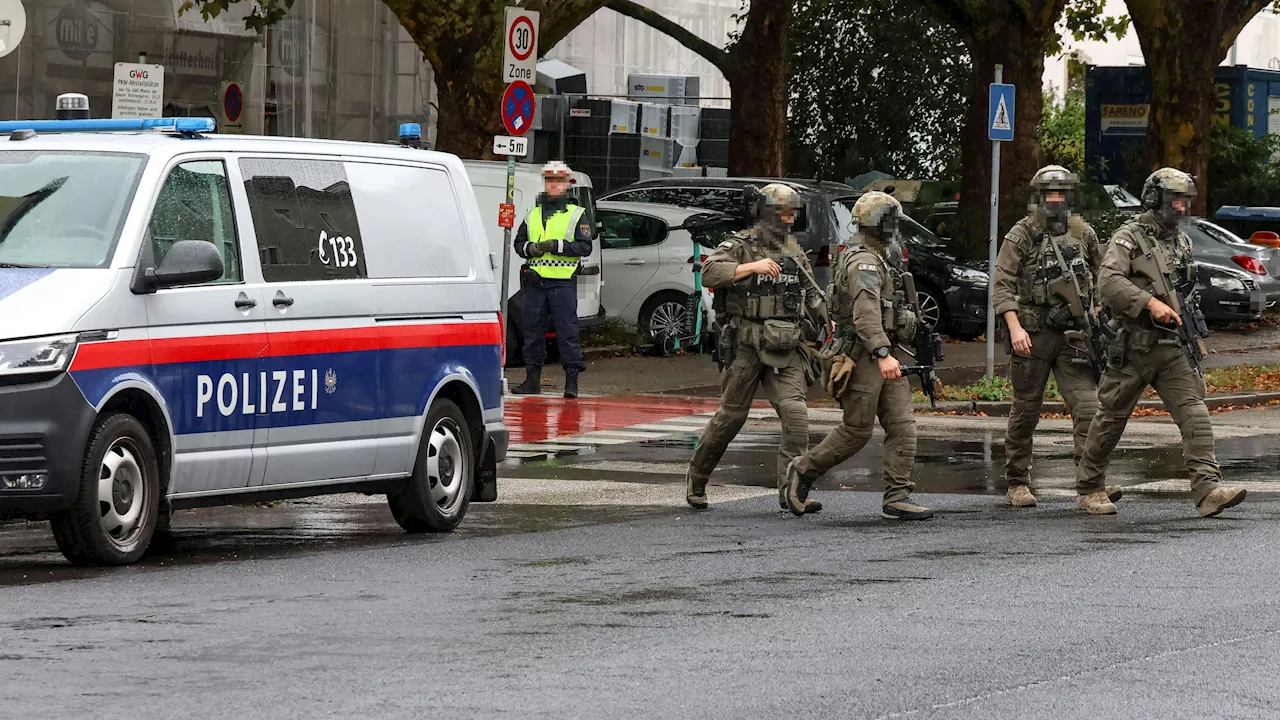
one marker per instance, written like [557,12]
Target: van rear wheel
[435,497]
[114,515]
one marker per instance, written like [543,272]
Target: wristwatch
[881,352]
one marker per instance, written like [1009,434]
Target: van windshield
[63,209]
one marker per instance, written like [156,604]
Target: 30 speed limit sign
[520,49]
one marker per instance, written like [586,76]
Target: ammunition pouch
[726,346]
[1031,318]
[906,323]
[778,337]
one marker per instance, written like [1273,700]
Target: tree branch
[709,52]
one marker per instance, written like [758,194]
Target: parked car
[1215,245]
[647,252]
[1228,293]
[953,292]
[1259,223]
[816,226]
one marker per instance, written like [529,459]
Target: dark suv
[816,227]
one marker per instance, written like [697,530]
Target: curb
[1000,408]
[606,351]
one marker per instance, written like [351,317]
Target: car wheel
[115,512]
[664,315]
[435,497]
[930,308]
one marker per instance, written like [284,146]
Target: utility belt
[1130,336]
[783,306]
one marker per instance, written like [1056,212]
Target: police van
[489,181]
[189,319]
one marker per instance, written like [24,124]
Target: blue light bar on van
[180,125]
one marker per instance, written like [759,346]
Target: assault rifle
[928,346]
[1191,329]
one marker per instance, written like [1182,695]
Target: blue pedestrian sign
[1000,113]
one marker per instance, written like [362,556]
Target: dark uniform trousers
[554,301]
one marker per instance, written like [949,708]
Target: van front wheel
[435,497]
[115,512]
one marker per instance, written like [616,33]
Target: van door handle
[244,302]
[281,301]
[633,261]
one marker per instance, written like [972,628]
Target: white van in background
[489,183]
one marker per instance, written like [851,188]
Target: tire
[661,313]
[120,464]
[932,309]
[435,497]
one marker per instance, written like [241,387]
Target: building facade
[341,69]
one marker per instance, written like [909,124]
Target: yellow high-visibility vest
[561,227]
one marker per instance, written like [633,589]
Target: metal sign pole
[991,247]
[506,239]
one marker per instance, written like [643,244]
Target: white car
[648,263]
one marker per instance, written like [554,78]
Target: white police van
[189,319]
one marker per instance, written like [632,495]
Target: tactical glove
[542,247]
[841,374]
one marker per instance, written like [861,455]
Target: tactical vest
[560,226]
[896,315]
[1176,255]
[1045,289]
[760,297]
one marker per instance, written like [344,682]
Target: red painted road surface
[542,418]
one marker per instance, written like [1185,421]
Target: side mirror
[188,262]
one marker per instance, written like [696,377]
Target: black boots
[532,384]
[571,384]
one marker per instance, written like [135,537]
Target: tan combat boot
[695,491]
[1114,493]
[1020,496]
[905,510]
[1096,503]
[1220,499]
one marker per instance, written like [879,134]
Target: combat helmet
[1162,188]
[877,214]
[1053,178]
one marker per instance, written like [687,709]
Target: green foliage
[991,388]
[875,85]
[1241,169]
[1061,131]
[1051,390]
[265,12]
[1085,20]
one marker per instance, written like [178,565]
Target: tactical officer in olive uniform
[1146,268]
[1044,293]
[765,287]
[872,311]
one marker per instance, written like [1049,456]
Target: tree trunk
[1021,51]
[469,116]
[758,83]
[1183,43]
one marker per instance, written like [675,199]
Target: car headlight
[964,274]
[1229,284]
[41,355]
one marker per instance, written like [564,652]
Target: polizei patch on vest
[726,245]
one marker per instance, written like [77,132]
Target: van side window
[304,219]
[412,221]
[195,204]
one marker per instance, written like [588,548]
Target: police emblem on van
[330,381]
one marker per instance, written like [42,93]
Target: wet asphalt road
[985,612]
[582,596]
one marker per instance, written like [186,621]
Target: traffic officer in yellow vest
[553,239]
[873,311]
[1146,277]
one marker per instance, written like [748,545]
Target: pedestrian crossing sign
[1000,125]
